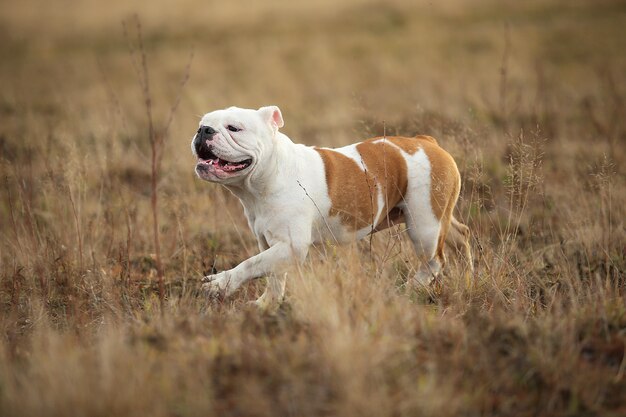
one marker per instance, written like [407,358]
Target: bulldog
[295,195]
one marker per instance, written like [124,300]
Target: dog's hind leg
[459,238]
[424,232]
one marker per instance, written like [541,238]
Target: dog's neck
[280,163]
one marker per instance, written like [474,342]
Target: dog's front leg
[265,262]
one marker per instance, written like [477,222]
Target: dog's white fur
[286,199]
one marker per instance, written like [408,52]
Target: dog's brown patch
[444,175]
[354,192]
[389,170]
[348,189]
[444,179]
[410,145]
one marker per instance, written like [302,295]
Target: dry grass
[534,115]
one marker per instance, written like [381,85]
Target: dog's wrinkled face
[231,143]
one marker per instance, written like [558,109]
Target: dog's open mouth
[206,156]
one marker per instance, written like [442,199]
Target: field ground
[529,97]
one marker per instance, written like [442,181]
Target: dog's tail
[459,238]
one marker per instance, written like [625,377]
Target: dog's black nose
[207,131]
[203,134]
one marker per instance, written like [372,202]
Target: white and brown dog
[295,195]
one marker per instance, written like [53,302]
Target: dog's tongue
[228,166]
[232,167]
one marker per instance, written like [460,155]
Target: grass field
[530,99]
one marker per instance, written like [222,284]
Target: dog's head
[231,143]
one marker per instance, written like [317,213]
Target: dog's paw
[423,279]
[218,285]
[266,304]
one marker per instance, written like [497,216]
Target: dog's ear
[273,116]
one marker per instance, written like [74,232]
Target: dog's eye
[233,128]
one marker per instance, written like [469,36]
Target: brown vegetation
[527,96]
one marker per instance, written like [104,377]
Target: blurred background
[330,65]
[528,96]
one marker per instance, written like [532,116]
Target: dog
[295,195]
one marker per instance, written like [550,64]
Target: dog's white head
[231,143]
